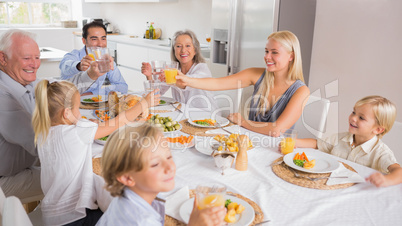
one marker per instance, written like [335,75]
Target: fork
[312,178]
[221,127]
[176,107]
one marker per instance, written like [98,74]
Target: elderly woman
[186,51]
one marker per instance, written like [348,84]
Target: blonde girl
[279,91]
[74,195]
[136,166]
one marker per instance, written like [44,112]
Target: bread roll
[113,101]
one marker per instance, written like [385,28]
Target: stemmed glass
[208,38]
[223,160]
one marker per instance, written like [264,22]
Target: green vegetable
[202,123]
[227,202]
[89,100]
[104,138]
[299,162]
[162,102]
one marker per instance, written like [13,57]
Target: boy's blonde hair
[50,101]
[295,72]
[124,152]
[384,111]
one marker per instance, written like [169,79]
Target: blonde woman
[279,90]
[74,195]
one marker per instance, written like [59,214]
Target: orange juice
[92,56]
[211,201]
[170,74]
[287,145]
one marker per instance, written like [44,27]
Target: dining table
[281,202]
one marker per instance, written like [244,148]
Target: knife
[176,107]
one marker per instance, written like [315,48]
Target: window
[39,13]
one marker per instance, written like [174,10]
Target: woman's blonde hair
[384,111]
[124,152]
[295,71]
[51,99]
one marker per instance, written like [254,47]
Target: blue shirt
[131,209]
[68,67]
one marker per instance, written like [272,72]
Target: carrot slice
[296,156]
[190,138]
[304,156]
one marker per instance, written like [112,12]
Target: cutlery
[312,178]
[263,222]
[277,163]
[217,124]
[176,107]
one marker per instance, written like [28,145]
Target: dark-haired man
[78,65]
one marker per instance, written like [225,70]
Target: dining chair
[392,140]
[2,200]
[311,123]
[228,101]
[14,213]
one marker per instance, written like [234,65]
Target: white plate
[221,120]
[245,218]
[168,100]
[96,116]
[101,142]
[323,163]
[203,145]
[104,99]
[178,146]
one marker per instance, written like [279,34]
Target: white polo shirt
[373,153]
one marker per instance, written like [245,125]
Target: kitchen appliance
[240,29]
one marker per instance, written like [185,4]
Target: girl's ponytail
[41,120]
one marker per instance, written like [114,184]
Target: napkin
[342,171]
[174,202]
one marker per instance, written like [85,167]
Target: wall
[59,38]
[356,52]
[131,18]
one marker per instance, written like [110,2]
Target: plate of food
[180,142]
[208,122]
[310,162]
[102,115]
[244,217]
[205,145]
[102,140]
[166,101]
[93,99]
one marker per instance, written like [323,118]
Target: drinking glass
[208,38]
[210,195]
[157,68]
[150,86]
[101,56]
[223,160]
[288,141]
[171,69]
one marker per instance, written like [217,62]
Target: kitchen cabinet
[133,77]
[130,0]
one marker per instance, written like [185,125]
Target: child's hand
[180,83]
[182,80]
[378,179]
[207,217]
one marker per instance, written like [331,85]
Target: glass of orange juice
[288,141]
[171,69]
[210,195]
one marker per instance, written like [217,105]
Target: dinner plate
[173,131]
[167,100]
[245,218]
[203,145]
[104,99]
[101,142]
[323,163]
[221,120]
[178,146]
[101,112]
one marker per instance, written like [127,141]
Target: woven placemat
[94,106]
[164,111]
[96,166]
[259,216]
[282,171]
[197,131]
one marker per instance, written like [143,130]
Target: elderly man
[19,62]
[78,63]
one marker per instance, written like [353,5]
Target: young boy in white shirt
[137,166]
[372,117]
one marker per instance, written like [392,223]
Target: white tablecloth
[284,203]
